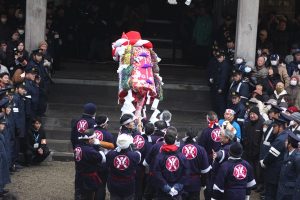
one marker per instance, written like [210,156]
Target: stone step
[63,156]
[107,71]
[60,145]
[67,112]
[184,100]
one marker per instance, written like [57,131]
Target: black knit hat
[89,108]
[236,150]
[255,110]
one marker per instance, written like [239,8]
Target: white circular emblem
[82,126]
[240,172]
[215,135]
[121,162]
[99,135]
[78,154]
[172,163]
[190,151]
[139,141]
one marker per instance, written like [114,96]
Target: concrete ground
[49,181]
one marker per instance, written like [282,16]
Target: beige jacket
[284,75]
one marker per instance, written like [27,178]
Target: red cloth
[169,148]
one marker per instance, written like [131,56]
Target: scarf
[169,148]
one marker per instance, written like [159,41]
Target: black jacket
[252,138]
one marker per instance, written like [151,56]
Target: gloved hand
[178,187]
[166,188]
[262,164]
[188,2]
[173,192]
[96,141]
[172,2]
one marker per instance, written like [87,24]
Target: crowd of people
[254,147]
[25,78]
[261,101]
[227,160]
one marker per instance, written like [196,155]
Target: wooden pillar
[246,29]
[35,23]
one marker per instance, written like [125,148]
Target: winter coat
[282,71]
[4,168]
[252,138]
[294,92]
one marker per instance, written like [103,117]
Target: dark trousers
[77,187]
[15,150]
[168,197]
[88,195]
[271,191]
[218,101]
[150,190]
[116,197]
[33,157]
[191,196]
[256,168]
[139,183]
[101,192]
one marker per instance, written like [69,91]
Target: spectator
[202,36]
[229,116]
[4,164]
[289,58]
[281,38]
[252,139]
[5,29]
[269,83]
[279,93]
[263,41]
[3,69]
[294,66]
[260,70]
[13,42]
[37,149]
[3,53]
[294,91]
[281,67]
[19,58]
[5,81]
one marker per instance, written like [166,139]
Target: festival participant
[122,164]
[198,165]
[210,136]
[235,177]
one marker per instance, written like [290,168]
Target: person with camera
[18,62]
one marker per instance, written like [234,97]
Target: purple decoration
[146,65]
[143,54]
[149,81]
